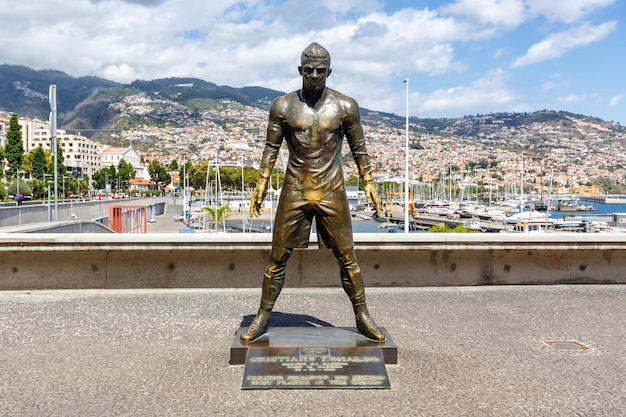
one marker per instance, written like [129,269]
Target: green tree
[38,188]
[277,179]
[14,150]
[82,185]
[24,188]
[125,173]
[105,176]
[3,191]
[2,155]
[354,181]
[98,179]
[230,177]
[196,175]
[608,186]
[251,177]
[218,214]
[158,173]
[444,228]
[36,163]
[62,169]
[71,185]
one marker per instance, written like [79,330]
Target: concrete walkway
[472,351]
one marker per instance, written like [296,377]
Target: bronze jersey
[314,136]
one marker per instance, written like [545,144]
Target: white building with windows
[5,118]
[112,156]
[81,155]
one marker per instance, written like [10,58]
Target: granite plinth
[327,337]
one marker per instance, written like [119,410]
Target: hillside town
[578,155]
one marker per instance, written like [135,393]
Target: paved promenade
[473,351]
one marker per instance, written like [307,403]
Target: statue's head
[315,66]
[316,52]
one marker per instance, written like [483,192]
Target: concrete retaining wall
[74,210]
[74,261]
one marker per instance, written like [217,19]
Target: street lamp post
[18,197]
[52,96]
[17,182]
[218,188]
[64,177]
[184,188]
[49,184]
[243,206]
[406,163]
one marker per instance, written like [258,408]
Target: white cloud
[486,94]
[507,13]
[230,42]
[550,85]
[258,42]
[500,52]
[572,98]
[569,11]
[557,44]
[119,72]
[615,100]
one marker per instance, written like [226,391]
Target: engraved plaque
[314,367]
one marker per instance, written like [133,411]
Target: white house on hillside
[112,156]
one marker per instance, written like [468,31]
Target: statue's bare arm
[270,153]
[356,140]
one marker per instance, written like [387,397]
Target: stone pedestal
[314,357]
[312,337]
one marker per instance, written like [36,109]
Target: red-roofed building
[139,185]
[112,156]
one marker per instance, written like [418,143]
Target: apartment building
[80,155]
[5,118]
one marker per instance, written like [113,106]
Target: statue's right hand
[257,200]
[372,196]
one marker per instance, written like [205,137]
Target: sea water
[361,225]
[373,226]
[600,208]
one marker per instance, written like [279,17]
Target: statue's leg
[352,283]
[273,281]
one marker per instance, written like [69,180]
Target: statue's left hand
[372,196]
[257,198]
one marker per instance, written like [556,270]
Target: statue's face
[314,73]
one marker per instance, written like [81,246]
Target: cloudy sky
[461,57]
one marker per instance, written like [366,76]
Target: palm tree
[218,214]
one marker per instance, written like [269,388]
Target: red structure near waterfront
[128,219]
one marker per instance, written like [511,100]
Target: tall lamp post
[17,181]
[243,206]
[64,177]
[52,95]
[406,163]
[49,183]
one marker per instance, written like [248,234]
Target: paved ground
[475,351]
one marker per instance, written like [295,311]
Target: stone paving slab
[471,351]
